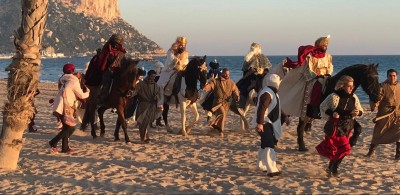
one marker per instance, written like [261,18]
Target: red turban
[68,68]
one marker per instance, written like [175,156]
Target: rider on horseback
[109,61]
[177,59]
[307,79]
[255,65]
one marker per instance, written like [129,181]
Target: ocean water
[52,68]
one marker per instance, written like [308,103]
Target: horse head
[370,84]
[128,73]
[365,75]
[196,70]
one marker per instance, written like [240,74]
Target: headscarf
[68,68]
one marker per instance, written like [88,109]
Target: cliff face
[76,27]
[106,9]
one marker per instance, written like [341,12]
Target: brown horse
[124,80]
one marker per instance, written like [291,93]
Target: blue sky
[228,27]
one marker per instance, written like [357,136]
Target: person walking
[223,88]
[340,107]
[151,99]
[267,122]
[387,121]
[68,93]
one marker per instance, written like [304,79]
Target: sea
[52,68]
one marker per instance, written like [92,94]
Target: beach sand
[198,163]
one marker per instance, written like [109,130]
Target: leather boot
[158,122]
[334,168]
[307,128]
[371,150]
[300,135]
[397,156]
[328,170]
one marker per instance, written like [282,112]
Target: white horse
[196,70]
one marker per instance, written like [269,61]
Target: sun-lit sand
[194,164]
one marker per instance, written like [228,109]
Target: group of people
[300,90]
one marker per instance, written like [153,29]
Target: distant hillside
[74,28]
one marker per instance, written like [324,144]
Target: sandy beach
[173,164]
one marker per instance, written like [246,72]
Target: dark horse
[187,92]
[124,80]
[364,75]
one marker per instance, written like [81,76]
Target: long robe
[387,127]
[295,88]
[223,89]
[172,63]
[150,96]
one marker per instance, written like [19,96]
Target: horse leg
[243,120]
[116,131]
[193,108]
[300,135]
[122,121]
[100,112]
[183,117]
[307,127]
[165,117]
[356,133]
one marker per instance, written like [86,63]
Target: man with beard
[151,99]
[223,88]
[301,88]
[387,121]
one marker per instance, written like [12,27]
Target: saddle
[173,86]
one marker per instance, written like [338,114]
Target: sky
[228,27]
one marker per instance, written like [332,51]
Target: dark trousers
[267,137]
[165,113]
[132,107]
[64,134]
[32,123]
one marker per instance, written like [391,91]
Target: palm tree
[23,79]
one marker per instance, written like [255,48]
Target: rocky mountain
[76,27]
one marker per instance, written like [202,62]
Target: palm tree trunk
[23,78]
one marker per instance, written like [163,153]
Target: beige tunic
[223,89]
[387,127]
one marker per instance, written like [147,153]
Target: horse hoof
[188,129]
[146,141]
[169,130]
[116,139]
[94,136]
[152,126]
[303,149]
[128,143]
